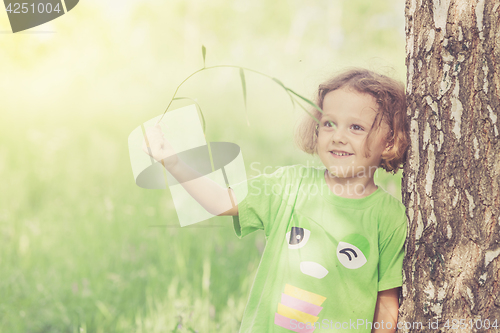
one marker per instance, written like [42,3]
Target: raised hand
[156,146]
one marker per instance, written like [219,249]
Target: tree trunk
[451,184]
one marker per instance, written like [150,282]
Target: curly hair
[391,98]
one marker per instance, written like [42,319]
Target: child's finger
[158,128]
[159,122]
[153,133]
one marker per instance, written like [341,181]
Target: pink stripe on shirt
[300,305]
[292,324]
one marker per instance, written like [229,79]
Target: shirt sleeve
[391,255]
[265,198]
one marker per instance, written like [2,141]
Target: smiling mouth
[340,153]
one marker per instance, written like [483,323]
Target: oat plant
[296,99]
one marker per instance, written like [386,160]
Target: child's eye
[328,124]
[357,128]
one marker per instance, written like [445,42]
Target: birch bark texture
[451,183]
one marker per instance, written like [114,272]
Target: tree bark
[451,183]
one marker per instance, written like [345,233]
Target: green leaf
[197,106]
[309,113]
[291,98]
[244,87]
[286,89]
[204,53]
[279,82]
[308,101]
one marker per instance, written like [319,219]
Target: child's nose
[339,135]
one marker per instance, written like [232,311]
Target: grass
[85,250]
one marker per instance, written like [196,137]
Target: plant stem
[206,68]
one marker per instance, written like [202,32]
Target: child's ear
[389,143]
[389,146]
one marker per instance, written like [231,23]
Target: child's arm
[215,199]
[386,310]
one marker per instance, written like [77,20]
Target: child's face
[346,121]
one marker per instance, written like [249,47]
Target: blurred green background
[82,248]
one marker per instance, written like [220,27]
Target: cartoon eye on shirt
[297,237]
[350,255]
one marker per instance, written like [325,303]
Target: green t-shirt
[326,256]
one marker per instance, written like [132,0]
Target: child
[334,251]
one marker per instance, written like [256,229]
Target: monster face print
[353,256]
[313,250]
